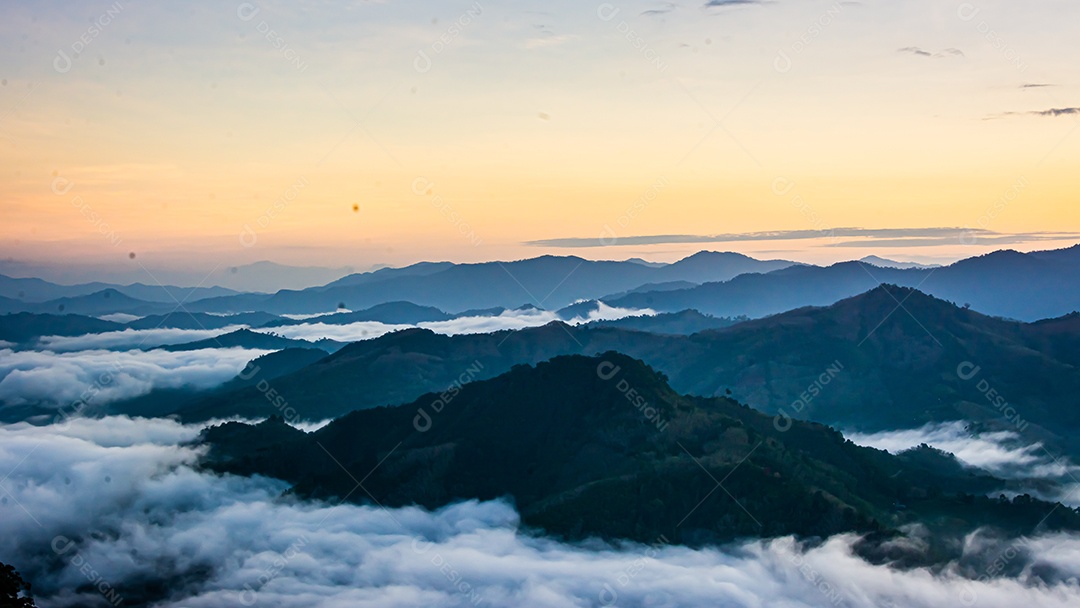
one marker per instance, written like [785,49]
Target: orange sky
[221,134]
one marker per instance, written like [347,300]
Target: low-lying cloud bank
[114,512]
[98,377]
[1002,453]
[511,319]
[129,339]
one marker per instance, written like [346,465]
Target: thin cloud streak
[895,237]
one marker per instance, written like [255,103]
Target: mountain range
[864,363]
[37,290]
[1023,286]
[603,447]
[549,282]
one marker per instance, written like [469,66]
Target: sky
[179,139]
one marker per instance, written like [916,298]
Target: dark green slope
[579,459]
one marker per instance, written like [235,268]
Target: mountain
[862,363]
[395,368]
[106,301]
[646,262]
[421,269]
[11,305]
[580,310]
[547,282]
[24,326]
[669,286]
[37,290]
[709,266]
[603,447]
[391,313]
[683,323]
[245,338]
[1006,283]
[274,365]
[880,262]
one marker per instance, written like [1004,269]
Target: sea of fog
[116,511]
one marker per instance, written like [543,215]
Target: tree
[14,591]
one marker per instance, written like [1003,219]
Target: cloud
[949,52]
[126,507]
[914,50]
[120,317]
[1036,85]
[717,3]
[510,319]
[1002,453]
[1056,112]
[100,376]
[548,41]
[1051,113]
[872,237]
[966,237]
[130,338]
[362,330]
[603,312]
[654,12]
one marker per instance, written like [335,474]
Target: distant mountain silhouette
[548,281]
[681,323]
[1010,284]
[245,338]
[11,305]
[1006,283]
[886,263]
[37,291]
[421,269]
[669,286]
[106,301]
[24,326]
